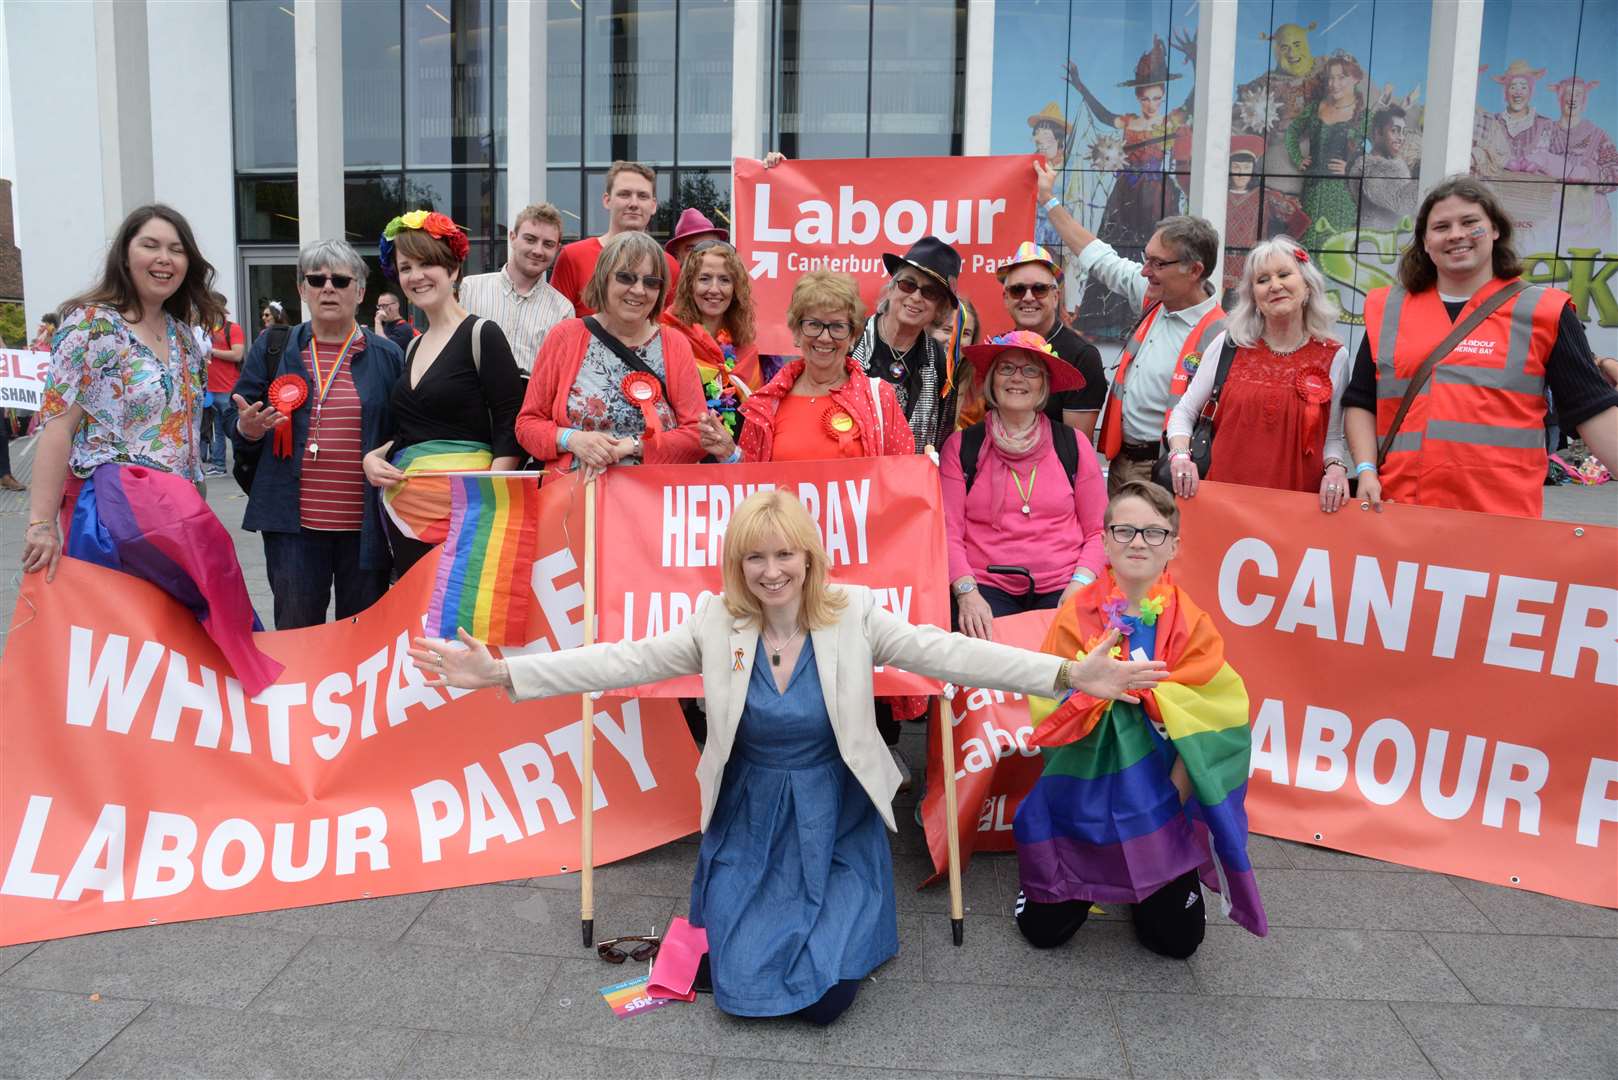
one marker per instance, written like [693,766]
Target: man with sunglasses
[1179,316]
[1032,287]
[630,201]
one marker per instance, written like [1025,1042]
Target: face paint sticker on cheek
[1478,232]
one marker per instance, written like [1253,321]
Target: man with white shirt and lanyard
[1180,315]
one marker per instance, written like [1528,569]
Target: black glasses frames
[636,947]
[318,281]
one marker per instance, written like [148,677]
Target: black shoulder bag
[1202,435]
[623,352]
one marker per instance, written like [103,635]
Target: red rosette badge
[840,426]
[1313,386]
[286,393]
[644,393]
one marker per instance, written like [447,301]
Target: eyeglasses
[1027,371]
[1154,263]
[318,281]
[1040,290]
[627,280]
[813,328]
[931,293]
[637,948]
[1154,535]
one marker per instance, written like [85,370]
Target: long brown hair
[738,318]
[193,302]
[1416,270]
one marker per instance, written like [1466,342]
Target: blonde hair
[759,519]
[988,379]
[625,252]
[825,289]
[1246,324]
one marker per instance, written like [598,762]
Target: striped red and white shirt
[331,496]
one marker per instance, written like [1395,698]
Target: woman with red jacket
[615,387]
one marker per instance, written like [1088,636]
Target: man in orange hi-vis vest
[1473,434]
[1179,317]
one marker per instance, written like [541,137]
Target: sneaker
[11,483]
[214,470]
[906,781]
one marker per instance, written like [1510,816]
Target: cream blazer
[722,649]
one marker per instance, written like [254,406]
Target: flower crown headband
[431,222]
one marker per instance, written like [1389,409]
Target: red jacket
[544,409]
[758,434]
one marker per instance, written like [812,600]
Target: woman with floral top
[713,308]
[127,375]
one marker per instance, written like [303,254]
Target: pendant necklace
[1028,495]
[775,650]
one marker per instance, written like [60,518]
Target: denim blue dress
[794,879]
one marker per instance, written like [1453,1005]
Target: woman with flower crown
[1279,421]
[455,408]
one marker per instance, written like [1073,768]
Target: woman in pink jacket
[1019,491]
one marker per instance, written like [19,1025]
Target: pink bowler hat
[1059,374]
[694,223]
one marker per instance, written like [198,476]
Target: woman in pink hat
[1019,491]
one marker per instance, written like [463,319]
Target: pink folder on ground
[674,972]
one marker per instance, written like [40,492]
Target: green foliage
[13,326]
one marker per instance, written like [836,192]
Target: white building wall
[193,163]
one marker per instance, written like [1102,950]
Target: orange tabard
[1110,432]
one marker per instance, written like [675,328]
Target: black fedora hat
[932,257]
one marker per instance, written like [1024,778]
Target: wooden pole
[587,779]
[952,825]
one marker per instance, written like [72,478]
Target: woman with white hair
[1279,421]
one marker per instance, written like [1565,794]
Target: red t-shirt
[222,374]
[577,262]
[802,432]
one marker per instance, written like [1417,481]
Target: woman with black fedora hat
[897,347]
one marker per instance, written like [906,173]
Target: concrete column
[527,103]
[124,105]
[975,137]
[1215,91]
[749,88]
[1454,45]
[318,64]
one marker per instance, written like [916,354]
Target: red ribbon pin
[286,393]
[644,391]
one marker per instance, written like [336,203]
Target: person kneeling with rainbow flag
[1139,799]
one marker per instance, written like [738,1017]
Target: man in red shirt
[631,200]
[224,367]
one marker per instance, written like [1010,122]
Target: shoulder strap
[971,447]
[1227,356]
[477,344]
[876,409]
[624,352]
[410,349]
[279,333]
[1444,348]
[1065,441]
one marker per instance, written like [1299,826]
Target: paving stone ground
[1370,970]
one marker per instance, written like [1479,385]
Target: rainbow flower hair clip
[430,222]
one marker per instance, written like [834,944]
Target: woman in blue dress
[794,880]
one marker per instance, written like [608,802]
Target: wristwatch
[961,588]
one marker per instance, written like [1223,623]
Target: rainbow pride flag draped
[156,525]
[1104,821]
[420,505]
[485,568]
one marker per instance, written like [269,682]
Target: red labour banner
[662,536]
[844,215]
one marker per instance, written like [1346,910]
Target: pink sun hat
[1059,374]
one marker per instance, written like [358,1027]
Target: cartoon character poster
[1544,137]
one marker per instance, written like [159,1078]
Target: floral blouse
[597,401]
[139,409]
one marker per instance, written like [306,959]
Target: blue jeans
[221,412]
[304,566]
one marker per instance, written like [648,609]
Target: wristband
[1052,203]
[562,436]
[1364,467]
[1335,461]
[735,457]
[1083,577]
[1180,454]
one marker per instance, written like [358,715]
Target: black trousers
[1170,922]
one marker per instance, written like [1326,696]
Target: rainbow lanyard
[324,381]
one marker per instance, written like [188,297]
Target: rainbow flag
[485,568]
[1104,821]
[420,504]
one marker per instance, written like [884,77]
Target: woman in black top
[455,408]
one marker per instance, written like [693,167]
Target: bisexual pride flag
[485,568]
[1104,821]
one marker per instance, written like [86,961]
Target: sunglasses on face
[637,948]
[1154,535]
[813,328]
[931,293]
[1040,291]
[318,281]
[627,280]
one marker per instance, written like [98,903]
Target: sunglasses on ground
[930,293]
[318,281]
[627,280]
[1040,290]
[637,948]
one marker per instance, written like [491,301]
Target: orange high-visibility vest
[1474,438]
[1110,432]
